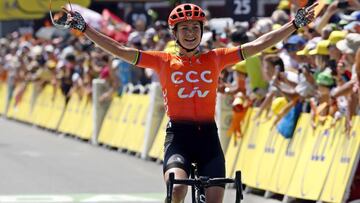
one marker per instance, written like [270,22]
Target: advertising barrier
[134,129]
[315,161]
[110,120]
[3,93]
[120,129]
[290,153]
[234,146]
[157,149]
[67,123]
[270,154]
[20,104]
[315,164]
[153,118]
[346,160]
[223,117]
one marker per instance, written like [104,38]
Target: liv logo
[183,94]
[202,198]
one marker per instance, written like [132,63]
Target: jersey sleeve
[152,59]
[228,56]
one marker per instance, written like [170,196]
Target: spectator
[288,55]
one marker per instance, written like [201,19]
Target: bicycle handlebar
[205,182]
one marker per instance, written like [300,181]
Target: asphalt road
[39,166]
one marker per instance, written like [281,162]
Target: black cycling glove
[300,18]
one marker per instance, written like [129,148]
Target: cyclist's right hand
[73,20]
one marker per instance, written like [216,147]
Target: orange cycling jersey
[189,85]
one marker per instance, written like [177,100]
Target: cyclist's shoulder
[222,50]
[163,55]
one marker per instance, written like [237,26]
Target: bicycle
[199,183]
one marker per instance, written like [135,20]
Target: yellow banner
[287,162]
[157,149]
[9,10]
[112,115]
[136,128]
[3,95]
[315,161]
[234,146]
[42,6]
[252,146]
[343,167]
[273,149]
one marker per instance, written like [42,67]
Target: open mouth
[190,40]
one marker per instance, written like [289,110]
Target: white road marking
[89,198]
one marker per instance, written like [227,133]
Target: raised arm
[76,21]
[111,46]
[272,38]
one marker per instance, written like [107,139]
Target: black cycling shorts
[189,142]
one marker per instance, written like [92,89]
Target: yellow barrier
[118,133]
[20,105]
[274,143]
[290,153]
[37,112]
[234,146]
[342,169]
[136,128]
[3,96]
[12,108]
[259,150]
[24,106]
[315,161]
[250,151]
[77,116]
[223,117]
[110,120]
[67,122]
[57,110]
[131,132]
[45,111]
[86,122]
[157,149]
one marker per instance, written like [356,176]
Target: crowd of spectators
[317,69]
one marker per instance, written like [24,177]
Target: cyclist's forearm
[268,40]
[111,46]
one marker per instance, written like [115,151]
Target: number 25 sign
[242,10]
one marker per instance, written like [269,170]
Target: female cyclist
[189,82]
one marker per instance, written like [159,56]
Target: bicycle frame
[198,185]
